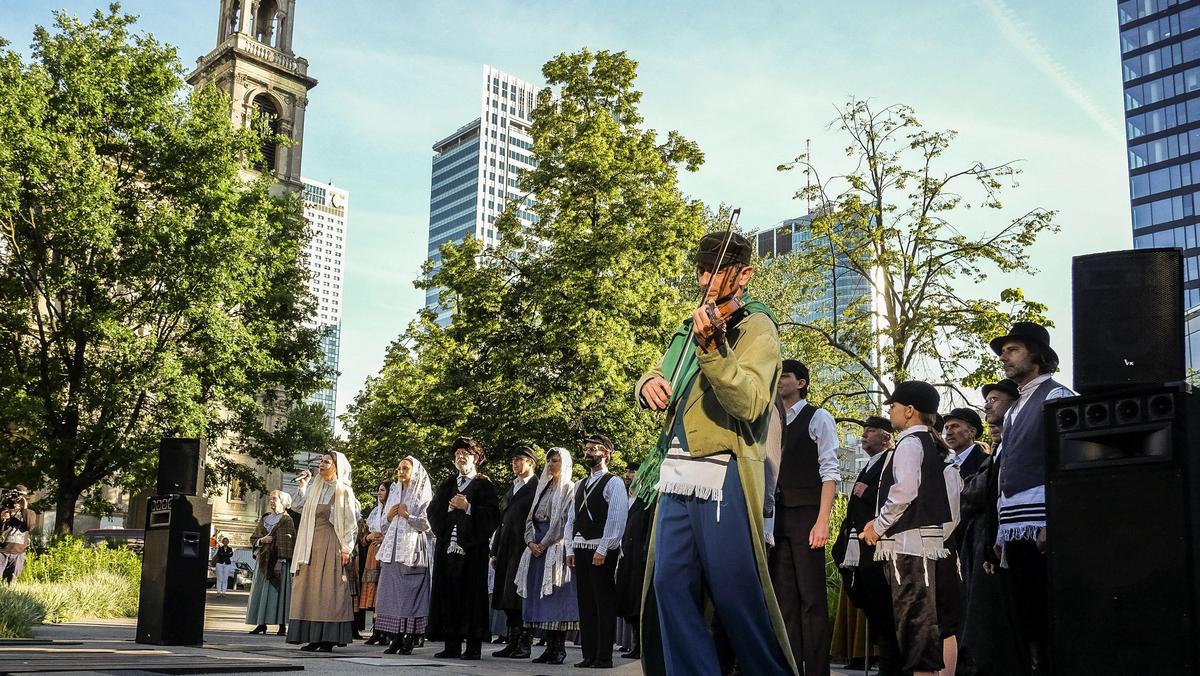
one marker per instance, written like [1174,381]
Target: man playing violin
[718,391]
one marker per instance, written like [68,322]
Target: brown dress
[322,609]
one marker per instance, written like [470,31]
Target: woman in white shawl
[402,597]
[543,578]
[376,524]
[322,610]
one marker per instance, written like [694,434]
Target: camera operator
[15,521]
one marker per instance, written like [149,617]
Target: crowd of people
[712,551]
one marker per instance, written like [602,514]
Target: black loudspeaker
[178,465]
[1128,315]
[1123,519]
[174,571]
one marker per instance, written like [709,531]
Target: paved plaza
[107,646]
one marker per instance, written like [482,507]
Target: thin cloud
[1025,40]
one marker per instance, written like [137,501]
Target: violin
[720,313]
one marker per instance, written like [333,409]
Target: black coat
[459,603]
[865,585]
[509,544]
[631,568]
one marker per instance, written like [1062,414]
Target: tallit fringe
[1013,532]
[885,550]
[702,492]
[455,549]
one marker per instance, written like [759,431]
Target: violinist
[716,385]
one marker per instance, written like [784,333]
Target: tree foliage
[895,220]
[146,287]
[553,325]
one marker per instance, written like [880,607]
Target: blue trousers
[694,552]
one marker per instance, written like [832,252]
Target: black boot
[550,651]
[453,648]
[524,645]
[560,647]
[635,651]
[510,644]
[406,644]
[373,639]
[395,646]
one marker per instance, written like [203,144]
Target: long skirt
[370,580]
[560,609]
[402,599]
[322,609]
[269,600]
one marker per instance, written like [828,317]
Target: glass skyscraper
[843,286]
[475,170]
[1160,65]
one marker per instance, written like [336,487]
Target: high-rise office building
[843,285]
[1160,59]
[475,170]
[325,209]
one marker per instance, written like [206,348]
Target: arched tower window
[265,106]
[234,19]
[266,23]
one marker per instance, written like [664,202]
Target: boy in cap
[509,545]
[908,531]
[707,472]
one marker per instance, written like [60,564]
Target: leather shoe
[601,664]
[282,630]
[311,647]
[260,629]
[586,664]
[394,647]
[325,648]
[444,654]
[635,653]
[471,655]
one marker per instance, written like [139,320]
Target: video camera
[10,498]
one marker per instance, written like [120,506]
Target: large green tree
[553,325]
[146,288]
[897,220]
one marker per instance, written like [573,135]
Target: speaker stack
[175,557]
[1123,485]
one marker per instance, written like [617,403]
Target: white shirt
[519,483]
[960,458]
[614,526]
[823,430]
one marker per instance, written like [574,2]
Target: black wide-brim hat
[1006,386]
[738,250]
[1026,332]
[967,415]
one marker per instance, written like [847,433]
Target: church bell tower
[254,64]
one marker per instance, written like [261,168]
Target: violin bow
[678,370]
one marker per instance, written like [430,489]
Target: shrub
[70,558]
[73,580]
[19,612]
[833,576]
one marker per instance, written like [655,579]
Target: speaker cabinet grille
[1128,315]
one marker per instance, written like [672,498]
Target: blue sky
[1019,80]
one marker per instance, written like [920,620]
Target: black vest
[799,469]
[931,506]
[861,510]
[591,509]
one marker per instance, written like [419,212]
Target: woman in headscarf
[543,578]
[402,599]
[273,541]
[322,611]
[376,524]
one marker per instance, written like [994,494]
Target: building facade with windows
[476,168]
[1160,67]
[325,208]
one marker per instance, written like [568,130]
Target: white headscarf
[282,502]
[343,512]
[557,573]
[406,540]
[375,521]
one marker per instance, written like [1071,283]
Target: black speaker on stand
[175,556]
